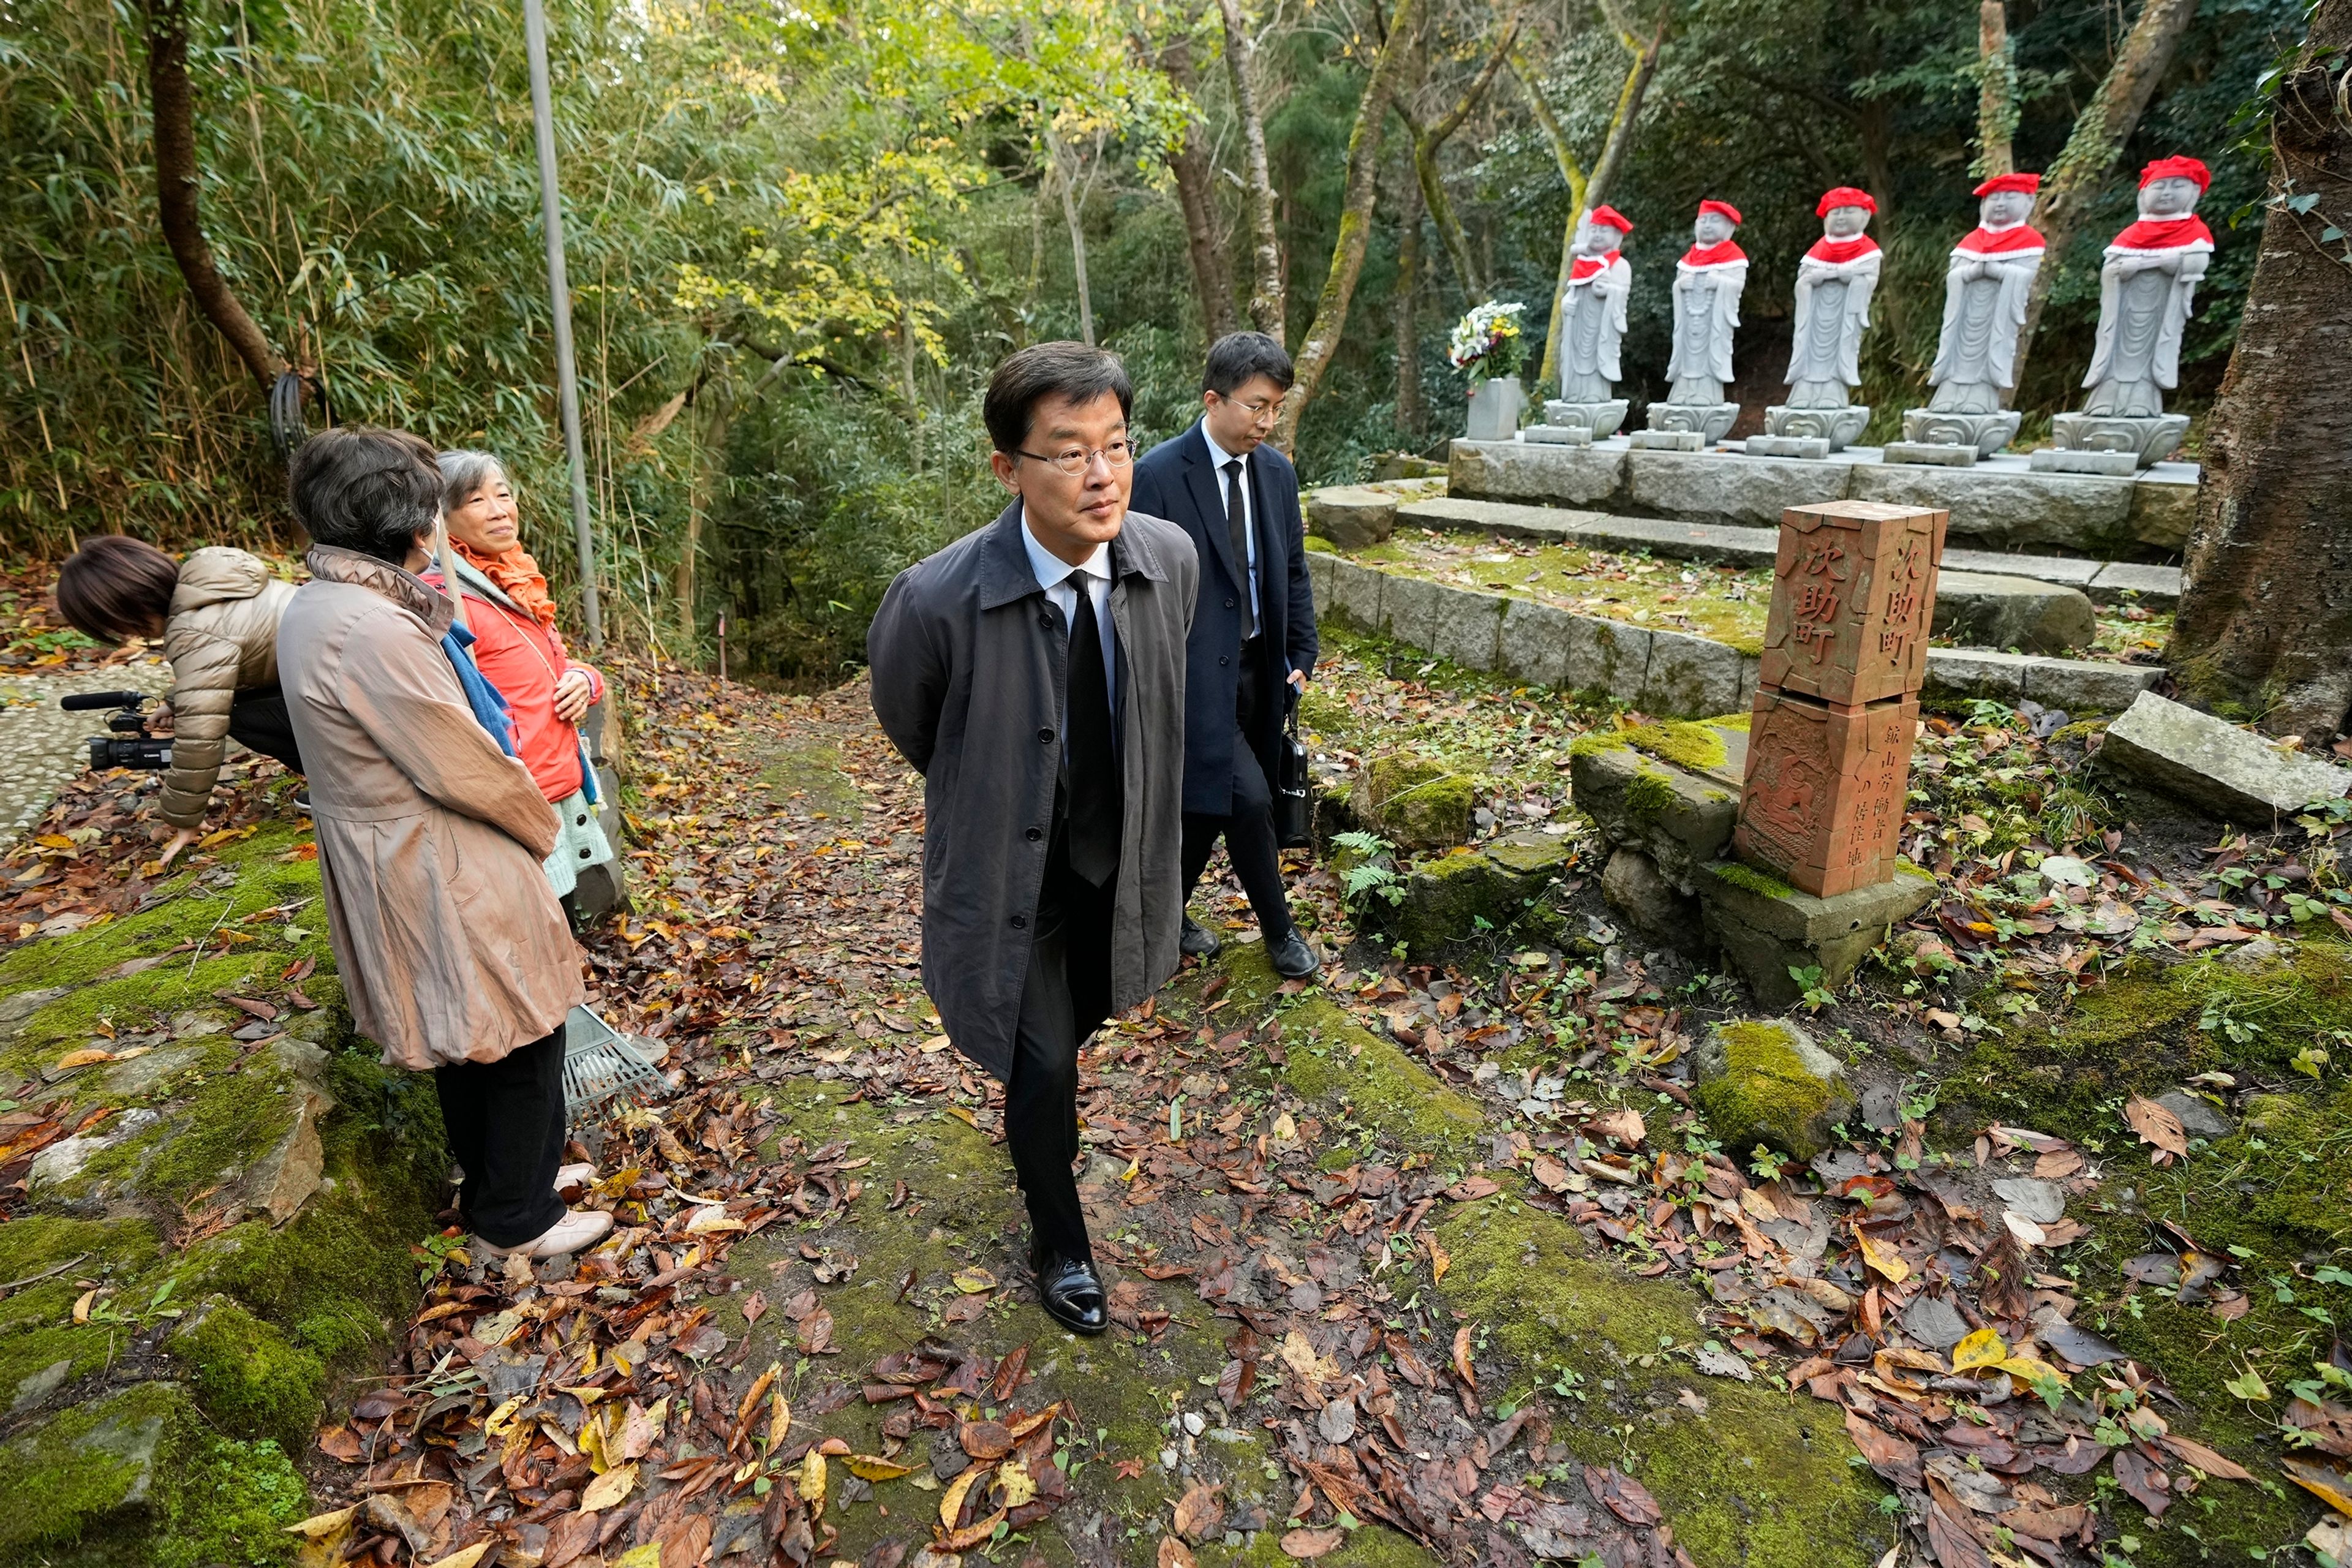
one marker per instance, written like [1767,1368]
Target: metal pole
[567,384]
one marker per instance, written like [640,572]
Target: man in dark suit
[1032,672]
[1253,640]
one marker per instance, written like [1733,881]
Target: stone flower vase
[1495,405]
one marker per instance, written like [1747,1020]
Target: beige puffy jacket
[222,639]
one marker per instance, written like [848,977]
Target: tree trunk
[2100,131]
[2265,621]
[1996,91]
[1197,199]
[174,107]
[1585,194]
[1063,158]
[1410,419]
[1360,195]
[1266,304]
[1430,140]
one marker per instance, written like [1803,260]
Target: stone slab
[2072,570]
[1669,441]
[2055,460]
[1319,574]
[1611,658]
[1558,434]
[2076,684]
[2122,582]
[1467,627]
[1680,819]
[1987,610]
[1355,592]
[1410,607]
[2213,765]
[1997,500]
[1352,517]
[1535,642]
[1933,453]
[1690,675]
[1752,492]
[1810,448]
[1766,930]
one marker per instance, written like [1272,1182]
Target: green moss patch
[1759,1480]
[1759,1087]
[1724,603]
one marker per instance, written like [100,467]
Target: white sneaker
[575,1176]
[579,1229]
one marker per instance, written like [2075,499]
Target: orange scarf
[517,575]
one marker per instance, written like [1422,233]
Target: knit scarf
[517,575]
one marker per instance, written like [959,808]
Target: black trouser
[505,1121]
[1249,828]
[257,722]
[1064,999]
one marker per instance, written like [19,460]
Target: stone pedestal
[1853,594]
[1495,407]
[1953,440]
[2109,444]
[1706,421]
[1823,803]
[1812,433]
[1767,928]
[1353,517]
[1598,420]
[1558,434]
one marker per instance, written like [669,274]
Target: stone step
[2104,582]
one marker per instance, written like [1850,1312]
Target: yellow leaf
[706,1221]
[81,1307]
[1440,1260]
[935,1044]
[609,1488]
[780,1420]
[1013,1477]
[465,1559]
[1982,1348]
[83,1058]
[975,1280]
[503,1416]
[2031,1369]
[870,1468]
[645,1556]
[2329,1485]
[320,1524]
[1286,1131]
[1884,1259]
[54,841]
[952,1503]
[812,1481]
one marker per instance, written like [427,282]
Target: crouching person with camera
[217,613]
[454,954]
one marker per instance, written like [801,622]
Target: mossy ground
[271,1315]
[2270,1195]
[1758,1478]
[1725,603]
[1766,1094]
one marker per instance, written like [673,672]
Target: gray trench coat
[969,668]
[449,941]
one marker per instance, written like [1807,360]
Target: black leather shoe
[1294,957]
[1197,941]
[1072,1294]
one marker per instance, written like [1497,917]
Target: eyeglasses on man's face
[1075,460]
[1261,410]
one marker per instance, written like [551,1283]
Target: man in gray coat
[1032,672]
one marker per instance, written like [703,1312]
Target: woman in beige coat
[217,613]
[454,954]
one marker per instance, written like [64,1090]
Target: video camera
[131,746]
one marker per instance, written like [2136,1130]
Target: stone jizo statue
[1592,325]
[1708,281]
[1835,283]
[1985,288]
[2145,292]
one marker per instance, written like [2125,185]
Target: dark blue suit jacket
[1177,480]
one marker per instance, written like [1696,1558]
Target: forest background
[801,235]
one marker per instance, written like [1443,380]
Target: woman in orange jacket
[516,647]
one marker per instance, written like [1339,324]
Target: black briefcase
[1294,796]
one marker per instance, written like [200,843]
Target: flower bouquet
[1489,342]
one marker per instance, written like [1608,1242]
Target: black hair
[1234,358]
[116,587]
[1077,372]
[359,487]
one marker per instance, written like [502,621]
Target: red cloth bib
[1837,251]
[2165,234]
[1714,254]
[1585,266]
[2002,241]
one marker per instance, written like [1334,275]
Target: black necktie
[1237,530]
[1095,796]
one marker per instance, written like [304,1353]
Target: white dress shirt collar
[1218,454]
[1051,570]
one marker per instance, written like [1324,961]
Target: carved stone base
[1987,433]
[1710,420]
[1603,419]
[1667,441]
[1558,434]
[2149,437]
[1839,427]
[1814,446]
